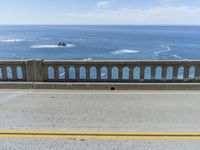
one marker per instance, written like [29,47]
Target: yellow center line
[101,135]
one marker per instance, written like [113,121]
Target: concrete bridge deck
[61,111]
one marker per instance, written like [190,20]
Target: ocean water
[100,42]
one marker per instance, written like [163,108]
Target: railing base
[99,86]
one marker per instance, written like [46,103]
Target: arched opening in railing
[82,74]
[147,73]
[158,73]
[72,73]
[115,73]
[125,73]
[169,73]
[192,71]
[93,73]
[104,73]
[180,75]
[9,72]
[51,75]
[19,73]
[136,75]
[61,73]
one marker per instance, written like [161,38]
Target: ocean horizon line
[165,25]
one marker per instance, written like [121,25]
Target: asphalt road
[99,111]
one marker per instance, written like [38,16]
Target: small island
[62,44]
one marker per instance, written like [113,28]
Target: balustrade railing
[13,71]
[100,71]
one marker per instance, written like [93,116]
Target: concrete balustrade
[100,71]
[13,71]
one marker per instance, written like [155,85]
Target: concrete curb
[99,86]
[16,85]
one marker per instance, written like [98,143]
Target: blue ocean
[100,42]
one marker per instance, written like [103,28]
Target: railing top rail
[122,62]
[105,62]
[91,61]
[11,62]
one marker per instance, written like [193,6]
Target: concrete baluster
[197,72]
[153,72]
[142,69]
[66,73]
[186,73]
[109,72]
[175,72]
[164,72]
[131,72]
[56,72]
[87,72]
[14,72]
[98,72]
[120,73]
[46,67]
[4,73]
[77,72]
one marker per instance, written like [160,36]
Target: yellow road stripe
[102,135]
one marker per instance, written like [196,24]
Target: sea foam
[125,51]
[51,46]
[12,40]
[44,38]
[177,57]
[87,59]
[167,49]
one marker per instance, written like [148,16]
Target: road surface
[155,119]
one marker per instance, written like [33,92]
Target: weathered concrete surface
[99,86]
[65,144]
[153,111]
[102,111]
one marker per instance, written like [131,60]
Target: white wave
[158,53]
[44,38]
[46,46]
[87,59]
[51,46]
[62,74]
[178,57]
[168,49]
[103,74]
[125,51]
[12,40]
[70,45]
